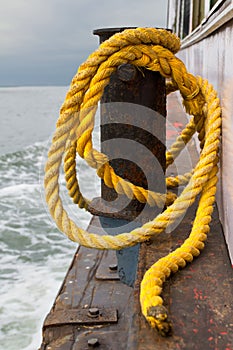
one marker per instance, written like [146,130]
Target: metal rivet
[113,267]
[93,312]
[93,342]
[126,72]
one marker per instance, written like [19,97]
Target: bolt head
[93,342]
[93,312]
[113,267]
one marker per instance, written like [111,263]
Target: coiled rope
[153,49]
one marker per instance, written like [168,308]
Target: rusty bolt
[93,342]
[113,267]
[126,72]
[93,312]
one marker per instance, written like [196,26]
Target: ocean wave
[18,189]
[34,255]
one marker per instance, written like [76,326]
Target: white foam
[17,190]
[34,254]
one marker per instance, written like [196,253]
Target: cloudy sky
[42,42]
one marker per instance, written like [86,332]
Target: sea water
[34,255]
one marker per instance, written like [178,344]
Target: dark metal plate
[106,269]
[80,317]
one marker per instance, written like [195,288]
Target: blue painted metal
[127,258]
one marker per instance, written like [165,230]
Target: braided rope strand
[150,299]
[153,49]
[55,204]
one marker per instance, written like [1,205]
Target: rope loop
[153,49]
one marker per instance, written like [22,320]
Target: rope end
[157,316]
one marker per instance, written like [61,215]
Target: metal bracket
[107,269]
[80,317]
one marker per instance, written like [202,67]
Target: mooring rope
[153,49]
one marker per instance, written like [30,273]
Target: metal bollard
[129,105]
[129,87]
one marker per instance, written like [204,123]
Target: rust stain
[198,295]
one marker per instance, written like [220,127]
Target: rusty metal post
[127,107]
[133,117]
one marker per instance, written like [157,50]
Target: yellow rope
[153,49]
[153,279]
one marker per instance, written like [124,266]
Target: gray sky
[42,42]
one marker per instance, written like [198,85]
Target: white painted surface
[171,19]
[212,58]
